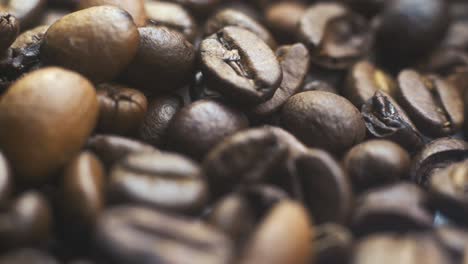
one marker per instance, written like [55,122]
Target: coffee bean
[139,235]
[333,244]
[97,42]
[376,162]
[238,64]
[121,109]
[323,120]
[9,29]
[162,180]
[28,12]
[336,37]
[55,121]
[434,105]
[263,197]
[136,8]
[163,62]
[283,17]
[27,256]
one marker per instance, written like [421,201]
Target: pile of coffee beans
[234,132]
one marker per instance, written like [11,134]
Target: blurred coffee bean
[454,240]
[27,256]
[136,8]
[263,197]
[336,37]
[283,17]
[323,120]
[121,109]
[162,180]
[28,12]
[238,64]
[198,127]
[332,244]
[139,235]
[9,29]
[375,163]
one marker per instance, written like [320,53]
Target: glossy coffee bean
[131,234]
[83,194]
[230,17]
[287,228]
[121,109]
[376,162]
[238,64]
[163,62]
[294,61]
[323,120]
[97,42]
[364,80]
[282,18]
[395,208]
[32,107]
[437,154]
[332,244]
[136,8]
[27,221]
[27,12]
[385,119]
[336,37]
[9,30]
[434,105]
[27,256]
[161,180]
[173,16]
[246,157]
[198,127]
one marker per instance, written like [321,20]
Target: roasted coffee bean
[246,157]
[161,180]
[27,221]
[400,207]
[282,18]
[110,149]
[27,256]
[200,126]
[82,198]
[408,29]
[446,62]
[336,37]
[404,249]
[376,162]
[173,16]
[263,197]
[164,60]
[288,228]
[322,181]
[332,244]
[138,235]
[435,106]
[294,61]
[323,120]
[97,42]
[364,80]
[136,8]
[385,119]
[437,154]
[230,17]
[238,64]
[27,11]
[6,180]
[121,109]
[9,29]
[39,112]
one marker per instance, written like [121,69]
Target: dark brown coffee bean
[138,235]
[164,60]
[39,112]
[376,162]
[28,12]
[263,197]
[336,37]
[332,243]
[198,127]
[136,8]
[437,154]
[364,80]
[385,119]
[238,64]
[161,180]
[27,256]
[395,208]
[283,17]
[9,30]
[230,17]
[435,106]
[247,157]
[110,149]
[294,61]
[121,109]
[173,16]
[97,42]
[286,227]
[323,120]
